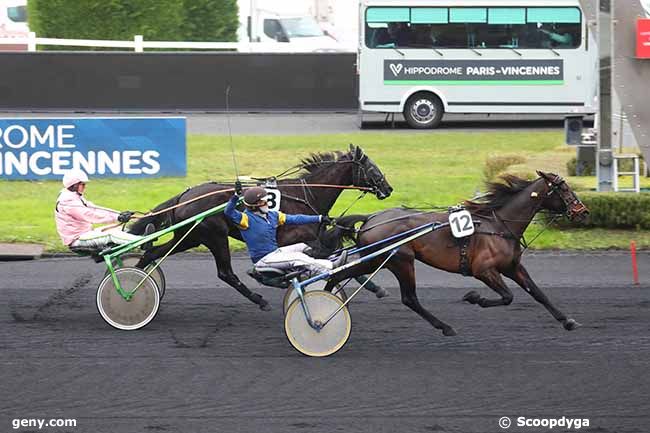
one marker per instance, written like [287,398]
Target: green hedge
[210,20]
[617,210]
[161,20]
[497,164]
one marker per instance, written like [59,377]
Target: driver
[258,226]
[556,37]
[75,216]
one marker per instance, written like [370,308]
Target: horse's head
[559,197]
[367,175]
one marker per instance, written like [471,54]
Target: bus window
[473,27]
[451,36]
[387,27]
[467,15]
[553,28]
[503,28]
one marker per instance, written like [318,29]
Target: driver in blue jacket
[258,226]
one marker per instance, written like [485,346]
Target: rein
[521,239]
[211,193]
[356,175]
[362,195]
[510,235]
[202,196]
[403,217]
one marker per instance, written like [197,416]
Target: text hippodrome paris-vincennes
[484,70]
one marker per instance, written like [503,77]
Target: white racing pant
[98,239]
[293,256]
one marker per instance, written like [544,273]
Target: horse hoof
[448,332]
[382,293]
[571,324]
[265,306]
[472,297]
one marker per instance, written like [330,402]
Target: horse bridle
[362,174]
[359,174]
[574,207]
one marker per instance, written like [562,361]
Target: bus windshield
[301,27]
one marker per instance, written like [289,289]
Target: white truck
[13,23]
[646,7]
[283,26]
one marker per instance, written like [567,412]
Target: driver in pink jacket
[75,216]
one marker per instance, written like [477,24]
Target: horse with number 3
[322,178]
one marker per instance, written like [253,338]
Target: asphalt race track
[212,362]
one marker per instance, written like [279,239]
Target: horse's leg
[379,291]
[404,271]
[519,275]
[218,246]
[358,272]
[159,251]
[493,280]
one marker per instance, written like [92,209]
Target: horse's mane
[315,161]
[498,194]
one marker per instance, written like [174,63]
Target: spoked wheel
[290,295]
[130,260]
[325,341]
[137,311]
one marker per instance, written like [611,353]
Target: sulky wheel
[130,260]
[325,341]
[290,295]
[137,311]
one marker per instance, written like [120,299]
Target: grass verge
[437,168]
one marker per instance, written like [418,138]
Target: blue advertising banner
[40,148]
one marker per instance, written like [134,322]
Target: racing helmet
[73,177]
[255,197]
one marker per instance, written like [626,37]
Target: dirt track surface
[212,362]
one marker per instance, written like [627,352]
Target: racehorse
[495,249]
[334,169]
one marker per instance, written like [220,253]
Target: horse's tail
[160,221]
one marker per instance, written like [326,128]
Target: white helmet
[73,177]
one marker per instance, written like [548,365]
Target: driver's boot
[341,260]
[148,230]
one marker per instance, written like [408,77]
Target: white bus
[424,58]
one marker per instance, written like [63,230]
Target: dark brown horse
[343,169]
[494,250]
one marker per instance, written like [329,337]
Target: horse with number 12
[492,249]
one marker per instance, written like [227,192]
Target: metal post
[253,21]
[637,177]
[604,157]
[31,42]
[138,43]
[621,125]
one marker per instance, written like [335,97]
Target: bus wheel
[423,110]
